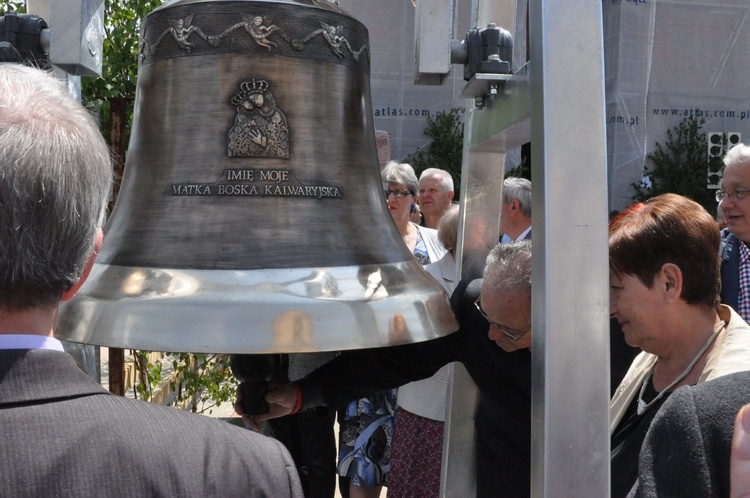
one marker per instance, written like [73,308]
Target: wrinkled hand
[281,399]
[740,462]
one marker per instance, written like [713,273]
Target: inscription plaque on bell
[270,183]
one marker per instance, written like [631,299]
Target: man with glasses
[495,309]
[734,203]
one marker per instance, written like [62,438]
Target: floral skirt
[365,439]
[417,457]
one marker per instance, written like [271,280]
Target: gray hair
[447,227]
[55,180]
[403,173]
[520,190]
[739,154]
[508,268]
[445,178]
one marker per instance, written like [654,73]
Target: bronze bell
[251,216]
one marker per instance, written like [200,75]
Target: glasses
[512,334]
[738,194]
[399,194]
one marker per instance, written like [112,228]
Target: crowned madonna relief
[260,128]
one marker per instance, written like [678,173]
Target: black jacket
[686,451]
[503,418]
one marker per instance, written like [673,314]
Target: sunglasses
[399,194]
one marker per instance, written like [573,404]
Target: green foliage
[680,165]
[205,377]
[205,380]
[19,7]
[446,149]
[122,23]
[150,375]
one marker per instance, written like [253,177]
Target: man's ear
[451,195]
[671,276]
[515,205]
[87,269]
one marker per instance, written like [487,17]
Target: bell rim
[256,311]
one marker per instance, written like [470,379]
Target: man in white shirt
[434,195]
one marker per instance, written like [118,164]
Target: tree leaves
[122,23]
[680,165]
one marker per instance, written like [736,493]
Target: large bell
[251,216]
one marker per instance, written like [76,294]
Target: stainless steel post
[557,101]
[570,380]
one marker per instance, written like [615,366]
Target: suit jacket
[687,448]
[444,271]
[64,435]
[503,416]
[730,269]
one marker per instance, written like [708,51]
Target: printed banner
[665,61]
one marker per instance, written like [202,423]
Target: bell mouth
[257,311]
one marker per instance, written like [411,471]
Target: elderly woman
[664,276]
[367,429]
[400,187]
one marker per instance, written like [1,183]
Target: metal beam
[570,300]
[558,102]
[505,124]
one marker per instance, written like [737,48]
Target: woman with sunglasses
[400,187]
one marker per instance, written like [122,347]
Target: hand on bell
[281,399]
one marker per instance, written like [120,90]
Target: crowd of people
[673,331]
[679,300]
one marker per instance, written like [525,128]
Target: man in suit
[734,203]
[62,433]
[515,214]
[493,341]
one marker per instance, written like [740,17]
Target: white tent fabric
[664,60]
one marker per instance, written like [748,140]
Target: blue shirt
[29,341]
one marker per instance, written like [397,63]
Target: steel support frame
[557,102]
